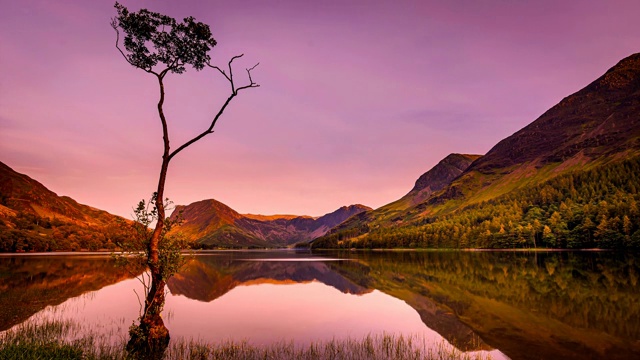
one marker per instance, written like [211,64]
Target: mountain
[20,193]
[211,223]
[441,175]
[582,152]
[270,217]
[34,218]
[596,125]
[436,179]
[331,220]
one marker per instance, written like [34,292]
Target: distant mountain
[592,134]
[331,220]
[434,180]
[211,223]
[34,218]
[271,217]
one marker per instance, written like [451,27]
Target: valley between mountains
[569,179]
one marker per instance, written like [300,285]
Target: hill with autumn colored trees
[34,218]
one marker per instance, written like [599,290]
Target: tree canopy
[152,38]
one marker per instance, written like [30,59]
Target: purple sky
[357,98]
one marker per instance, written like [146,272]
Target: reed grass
[59,339]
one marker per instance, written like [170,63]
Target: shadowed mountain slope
[592,134]
[435,179]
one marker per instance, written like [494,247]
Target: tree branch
[251,83]
[233,86]
[206,132]
[220,70]
[114,25]
[234,93]
[164,72]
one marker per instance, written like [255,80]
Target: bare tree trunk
[157,232]
[151,338]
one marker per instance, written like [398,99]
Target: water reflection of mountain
[527,305]
[28,284]
[530,306]
[206,278]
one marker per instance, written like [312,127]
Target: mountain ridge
[210,223]
[593,125]
[34,218]
[430,182]
[590,133]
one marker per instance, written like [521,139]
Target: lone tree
[160,45]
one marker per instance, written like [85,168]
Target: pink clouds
[357,98]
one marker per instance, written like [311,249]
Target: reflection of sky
[260,314]
[303,312]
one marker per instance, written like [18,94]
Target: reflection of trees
[572,305]
[28,284]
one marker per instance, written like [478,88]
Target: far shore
[210,251]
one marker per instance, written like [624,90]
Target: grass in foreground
[49,340]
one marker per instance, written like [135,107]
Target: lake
[519,305]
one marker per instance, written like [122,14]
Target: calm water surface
[560,305]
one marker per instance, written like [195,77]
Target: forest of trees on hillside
[597,208]
[28,233]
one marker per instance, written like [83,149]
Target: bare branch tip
[254,66]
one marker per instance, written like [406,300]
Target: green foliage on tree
[134,249]
[151,38]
